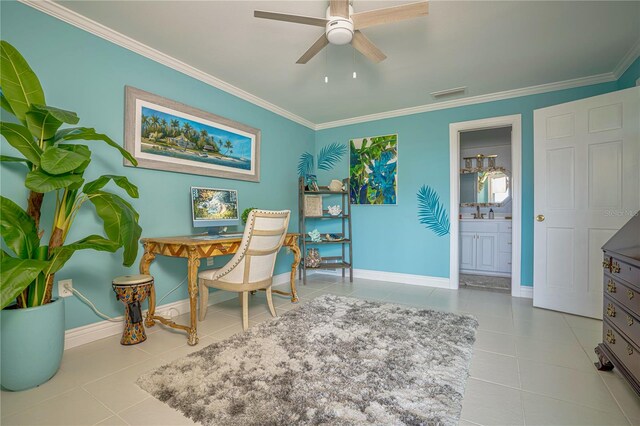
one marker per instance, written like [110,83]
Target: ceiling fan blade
[297,19]
[313,50]
[390,14]
[339,8]
[368,49]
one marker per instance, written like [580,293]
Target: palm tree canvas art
[373,170]
[163,134]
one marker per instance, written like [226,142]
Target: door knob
[540,218]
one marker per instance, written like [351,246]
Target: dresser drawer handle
[611,310]
[610,337]
[611,286]
[615,267]
[629,320]
[629,349]
[630,294]
[606,264]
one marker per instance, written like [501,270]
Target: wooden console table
[194,248]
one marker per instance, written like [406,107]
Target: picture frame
[313,205]
[163,134]
[373,170]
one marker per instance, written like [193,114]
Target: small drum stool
[132,290]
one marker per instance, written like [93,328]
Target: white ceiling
[500,136]
[487,46]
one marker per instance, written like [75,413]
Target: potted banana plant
[53,162]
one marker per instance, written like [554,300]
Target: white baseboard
[99,330]
[393,277]
[526,291]
[420,280]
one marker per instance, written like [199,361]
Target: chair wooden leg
[245,310]
[270,302]
[203,295]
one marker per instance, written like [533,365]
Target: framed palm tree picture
[373,170]
[163,134]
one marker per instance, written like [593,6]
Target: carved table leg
[194,263]
[603,363]
[145,263]
[296,261]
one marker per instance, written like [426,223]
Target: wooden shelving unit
[345,261]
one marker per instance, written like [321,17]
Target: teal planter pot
[32,345]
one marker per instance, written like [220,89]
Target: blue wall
[86,74]
[390,238]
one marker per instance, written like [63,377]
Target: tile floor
[530,366]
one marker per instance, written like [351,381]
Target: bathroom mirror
[485,188]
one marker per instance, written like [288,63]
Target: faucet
[477,215]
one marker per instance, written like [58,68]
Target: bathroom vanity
[485,246]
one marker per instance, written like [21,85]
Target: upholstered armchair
[251,268]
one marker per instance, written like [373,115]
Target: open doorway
[485,209]
[485,204]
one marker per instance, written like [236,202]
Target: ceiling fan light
[340,33]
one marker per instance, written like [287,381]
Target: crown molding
[627,60]
[70,17]
[472,100]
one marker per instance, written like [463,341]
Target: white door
[587,185]
[486,251]
[467,250]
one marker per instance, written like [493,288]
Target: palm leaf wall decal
[305,164]
[431,212]
[330,154]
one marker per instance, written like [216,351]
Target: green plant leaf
[57,161]
[16,275]
[121,181]
[329,155]
[18,229]
[40,181]
[19,83]
[4,104]
[42,124]
[62,254]
[21,139]
[63,115]
[89,134]
[79,149]
[120,222]
[44,121]
[10,159]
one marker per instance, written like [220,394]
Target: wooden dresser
[621,327]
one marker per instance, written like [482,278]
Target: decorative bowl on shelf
[334,210]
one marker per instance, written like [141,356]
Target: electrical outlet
[62,288]
[209,261]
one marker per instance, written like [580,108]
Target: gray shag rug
[335,360]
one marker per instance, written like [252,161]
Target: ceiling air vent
[449,92]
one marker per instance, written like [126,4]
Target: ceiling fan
[342,26]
